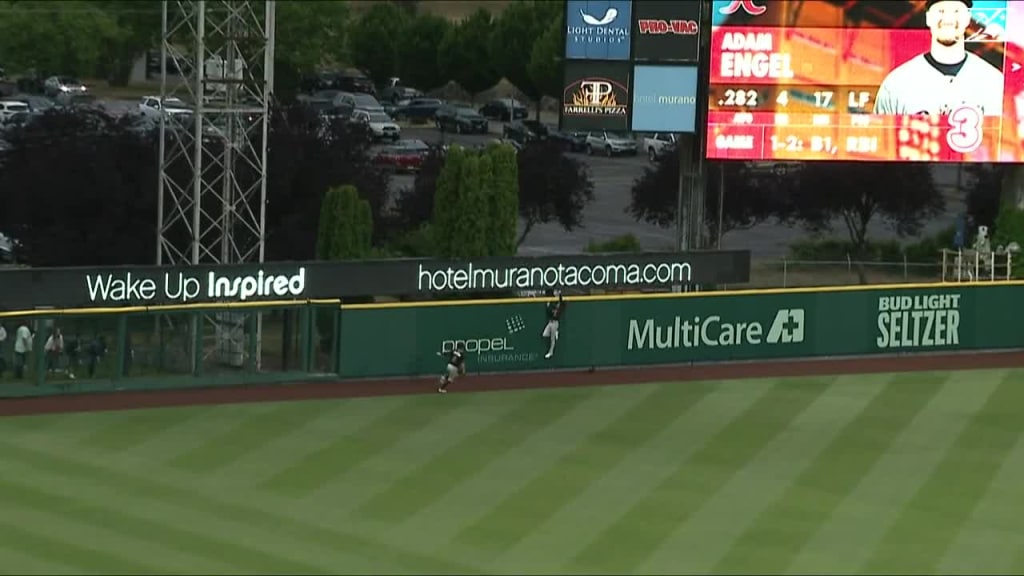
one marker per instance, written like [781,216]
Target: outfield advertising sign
[29,288]
[685,329]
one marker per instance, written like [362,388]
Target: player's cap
[930,3]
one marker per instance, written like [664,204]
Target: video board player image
[871,80]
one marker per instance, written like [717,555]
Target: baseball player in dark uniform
[554,311]
[455,367]
[945,77]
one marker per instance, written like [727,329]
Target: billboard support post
[681,213]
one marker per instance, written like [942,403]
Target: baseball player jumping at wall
[554,312]
[455,367]
[947,75]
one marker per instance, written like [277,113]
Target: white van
[8,108]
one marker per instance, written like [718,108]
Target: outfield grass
[890,473]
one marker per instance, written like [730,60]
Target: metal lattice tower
[213,163]
[217,57]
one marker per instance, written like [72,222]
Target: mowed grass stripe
[252,469]
[511,520]
[319,468]
[436,526]
[845,541]
[181,555]
[413,451]
[617,490]
[779,532]
[992,540]
[631,540]
[101,536]
[128,429]
[17,562]
[249,435]
[228,504]
[932,519]
[83,558]
[219,548]
[700,542]
[410,494]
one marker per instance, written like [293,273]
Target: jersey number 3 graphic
[965,134]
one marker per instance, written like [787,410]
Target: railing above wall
[976,266]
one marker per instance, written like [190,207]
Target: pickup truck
[658,144]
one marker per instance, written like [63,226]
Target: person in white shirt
[3,357]
[22,349]
[54,348]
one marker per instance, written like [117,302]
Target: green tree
[56,37]
[310,34]
[138,24]
[372,40]
[464,55]
[346,225]
[460,227]
[417,52]
[503,200]
[545,67]
[515,36]
[447,197]
[902,196]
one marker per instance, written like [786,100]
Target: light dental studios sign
[182,287]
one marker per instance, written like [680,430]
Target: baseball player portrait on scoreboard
[945,77]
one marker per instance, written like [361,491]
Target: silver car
[56,85]
[611,143]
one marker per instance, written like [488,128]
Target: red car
[403,156]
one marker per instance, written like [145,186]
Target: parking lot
[606,217]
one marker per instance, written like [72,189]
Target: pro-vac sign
[182,287]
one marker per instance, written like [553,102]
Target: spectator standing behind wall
[22,349]
[3,350]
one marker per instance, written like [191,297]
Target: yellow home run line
[496,301]
[167,308]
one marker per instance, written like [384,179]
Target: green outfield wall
[231,344]
[506,336]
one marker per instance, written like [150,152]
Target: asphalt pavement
[606,217]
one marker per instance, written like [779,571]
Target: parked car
[461,120]
[349,102]
[10,108]
[322,107]
[56,85]
[67,99]
[346,81]
[504,109]
[152,106]
[36,103]
[380,124]
[658,144]
[418,110]
[571,141]
[526,131]
[611,143]
[397,93]
[399,158]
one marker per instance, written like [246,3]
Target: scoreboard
[793,80]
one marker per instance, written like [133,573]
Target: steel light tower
[217,57]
